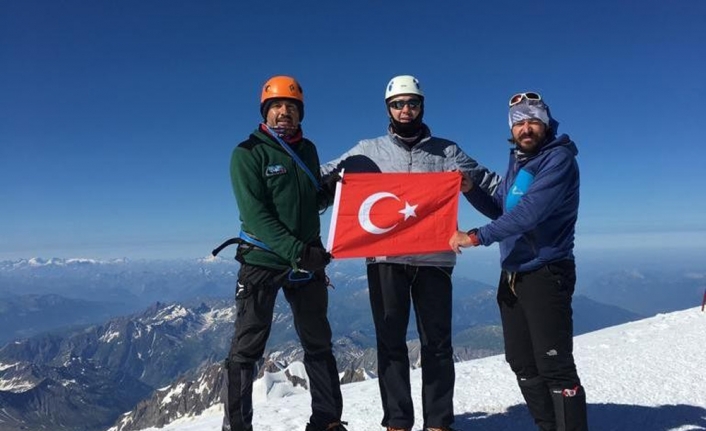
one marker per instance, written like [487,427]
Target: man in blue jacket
[534,213]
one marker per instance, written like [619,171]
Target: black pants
[255,301]
[392,288]
[536,313]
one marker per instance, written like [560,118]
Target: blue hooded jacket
[535,207]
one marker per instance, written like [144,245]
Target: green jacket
[278,202]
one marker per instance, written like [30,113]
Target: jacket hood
[562,140]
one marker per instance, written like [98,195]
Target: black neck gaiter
[407,130]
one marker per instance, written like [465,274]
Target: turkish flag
[388,214]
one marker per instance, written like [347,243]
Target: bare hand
[458,240]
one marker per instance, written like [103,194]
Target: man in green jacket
[275,175]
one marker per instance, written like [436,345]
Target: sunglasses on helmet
[400,104]
[519,97]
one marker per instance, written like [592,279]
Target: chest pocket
[422,161]
[519,187]
[279,177]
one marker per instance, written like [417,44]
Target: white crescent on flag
[364,213]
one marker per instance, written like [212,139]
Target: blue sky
[117,118]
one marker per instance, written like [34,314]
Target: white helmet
[403,84]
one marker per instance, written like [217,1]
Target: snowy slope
[648,375]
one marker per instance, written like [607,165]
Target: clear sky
[117,118]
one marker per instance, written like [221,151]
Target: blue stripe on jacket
[534,209]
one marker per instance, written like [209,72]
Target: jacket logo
[273,170]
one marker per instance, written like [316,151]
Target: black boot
[334,426]
[570,409]
[238,396]
[539,402]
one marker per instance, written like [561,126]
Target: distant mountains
[82,369]
[75,396]
[131,283]
[649,292]
[23,316]
[67,292]
[85,379]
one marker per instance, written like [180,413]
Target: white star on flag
[408,210]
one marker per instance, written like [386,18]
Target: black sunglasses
[400,104]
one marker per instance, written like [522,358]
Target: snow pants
[255,301]
[393,288]
[536,313]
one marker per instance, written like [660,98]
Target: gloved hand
[466,183]
[313,258]
[328,184]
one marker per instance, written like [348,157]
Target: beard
[529,142]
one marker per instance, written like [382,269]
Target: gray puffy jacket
[390,154]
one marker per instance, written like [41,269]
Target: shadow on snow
[603,417]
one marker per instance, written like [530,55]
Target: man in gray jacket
[424,281]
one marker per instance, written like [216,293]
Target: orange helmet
[282,87]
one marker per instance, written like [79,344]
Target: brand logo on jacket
[273,170]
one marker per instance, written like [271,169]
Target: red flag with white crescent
[388,214]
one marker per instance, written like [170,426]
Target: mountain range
[645,375]
[84,372]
